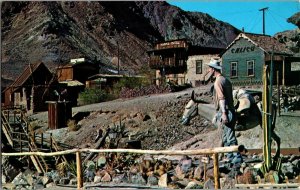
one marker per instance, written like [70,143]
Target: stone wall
[191,76]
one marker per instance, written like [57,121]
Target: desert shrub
[72,126]
[62,168]
[130,83]
[93,95]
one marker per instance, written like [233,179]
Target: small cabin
[30,89]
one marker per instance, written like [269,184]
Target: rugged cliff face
[291,37]
[55,32]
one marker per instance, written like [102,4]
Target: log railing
[209,151]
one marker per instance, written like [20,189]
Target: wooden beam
[216,170]
[136,151]
[79,171]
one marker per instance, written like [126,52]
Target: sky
[246,14]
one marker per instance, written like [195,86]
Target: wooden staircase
[17,130]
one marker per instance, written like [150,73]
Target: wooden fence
[209,151]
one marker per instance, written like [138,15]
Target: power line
[277,23]
[255,23]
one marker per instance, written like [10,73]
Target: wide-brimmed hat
[244,103]
[215,64]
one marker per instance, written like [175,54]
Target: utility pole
[263,10]
[118,57]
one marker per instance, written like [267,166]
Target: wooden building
[72,78]
[244,59]
[180,62]
[30,89]
[79,70]
[169,60]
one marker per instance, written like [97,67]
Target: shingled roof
[265,42]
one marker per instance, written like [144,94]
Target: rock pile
[142,91]
[289,98]
[145,171]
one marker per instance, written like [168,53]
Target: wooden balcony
[156,62]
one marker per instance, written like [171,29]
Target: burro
[248,110]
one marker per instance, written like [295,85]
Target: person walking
[225,117]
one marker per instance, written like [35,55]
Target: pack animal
[248,116]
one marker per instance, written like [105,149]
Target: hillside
[155,120]
[55,32]
[291,37]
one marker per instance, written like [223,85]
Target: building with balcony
[180,62]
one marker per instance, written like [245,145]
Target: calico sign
[243,49]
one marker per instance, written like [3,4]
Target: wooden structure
[79,71]
[69,91]
[245,57]
[180,62]
[212,151]
[169,60]
[17,134]
[30,88]
[59,112]
[73,76]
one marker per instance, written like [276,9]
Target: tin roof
[265,42]
[72,83]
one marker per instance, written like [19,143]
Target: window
[199,67]
[250,68]
[233,69]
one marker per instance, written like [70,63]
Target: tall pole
[263,10]
[118,58]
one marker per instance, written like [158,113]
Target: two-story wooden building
[181,62]
[244,59]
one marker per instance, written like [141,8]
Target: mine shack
[181,62]
[244,59]
[77,69]
[30,89]
[72,78]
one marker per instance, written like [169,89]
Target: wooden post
[42,140]
[204,171]
[283,72]
[216,170]
[278,93]
[20,141]
[79,171]
[51,142]
[33,137]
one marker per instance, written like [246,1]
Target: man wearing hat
[223,101]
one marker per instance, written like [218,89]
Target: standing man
[225,116]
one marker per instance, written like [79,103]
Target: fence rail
[211,151]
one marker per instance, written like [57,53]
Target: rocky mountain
[291,37]
[55,32]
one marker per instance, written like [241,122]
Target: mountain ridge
[55,32]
